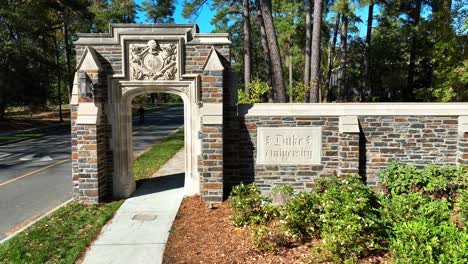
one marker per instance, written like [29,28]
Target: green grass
[148,163]
[60,237]
[34,133]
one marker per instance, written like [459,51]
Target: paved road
[35,174]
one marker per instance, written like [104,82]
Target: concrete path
[139,230]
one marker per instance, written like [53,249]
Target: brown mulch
[19,120]
[203,235]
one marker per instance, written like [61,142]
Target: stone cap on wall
[188,31]
[354,109]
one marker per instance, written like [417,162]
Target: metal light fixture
[86,86]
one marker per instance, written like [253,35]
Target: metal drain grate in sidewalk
[144,217]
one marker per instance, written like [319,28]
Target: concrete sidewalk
[139,230]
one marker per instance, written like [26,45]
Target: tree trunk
[308,40]
[408,93]
[247,45]
[291,98]
[68,58]
[344,55]
[366,87]
[59,86]
[315,57]
[331,57]
[275,56]
[266,52]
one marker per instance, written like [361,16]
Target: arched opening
[123,143]
[158,136]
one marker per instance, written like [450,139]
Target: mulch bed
[18,121]
[203,235]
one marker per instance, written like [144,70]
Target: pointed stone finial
[89,61]
[213,62]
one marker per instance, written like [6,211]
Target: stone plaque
[289,145]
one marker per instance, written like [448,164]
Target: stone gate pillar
[211,160]
[88,130]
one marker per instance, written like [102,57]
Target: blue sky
[204,20]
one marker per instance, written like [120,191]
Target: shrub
[348,217]
[462,204]
[257,89]
[281,194]
[406,207]
[399,178]
[433,180]
[423,240]
[300,215]
[249,206]
[268,238]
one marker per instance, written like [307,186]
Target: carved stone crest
[153,61]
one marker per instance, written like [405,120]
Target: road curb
[34,221]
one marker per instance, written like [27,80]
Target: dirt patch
[21,119]
[203,235]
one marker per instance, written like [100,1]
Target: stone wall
[378,140]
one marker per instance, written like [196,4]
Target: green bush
[433,180]
[268,238]
[462,204]
[257,89]
[348,218]
[300,216]
[423,240]
[406,207]
[249,206]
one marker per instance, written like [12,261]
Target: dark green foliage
[420,218]
[300,216]
[424,240]
[405,207]
[417,213]
[462,204]
[347,217]
[159,11]
[249,206]
[435,181]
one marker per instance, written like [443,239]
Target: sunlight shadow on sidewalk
[159,184]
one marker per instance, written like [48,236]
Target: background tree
[159,11]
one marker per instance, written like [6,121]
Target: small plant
[268,238]
[249,206]
[281,194]
[405,207]
[462,204]
[433,180]
[300,215]
[257,89]
[347,218]
[423,240]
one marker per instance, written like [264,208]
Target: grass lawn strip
[60,237]
[149,162]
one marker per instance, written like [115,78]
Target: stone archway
[134,59]
[123,181]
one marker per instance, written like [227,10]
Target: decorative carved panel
[153,61]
